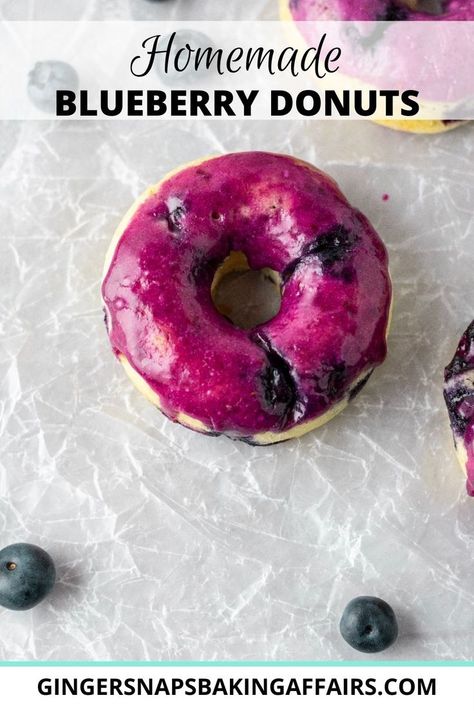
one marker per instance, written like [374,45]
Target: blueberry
[393,13]
[333,246]
[331,380]
[458,400]
[45,79]
[333,250]
[27,575]
[462,361]
[277,384]
[195,40]
[369,624]
[358,387]
[175,217]
[276,390]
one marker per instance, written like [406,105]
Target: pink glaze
[376,10]
[332,323]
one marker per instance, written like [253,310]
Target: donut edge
[418,126]
[260,439]
[140,383]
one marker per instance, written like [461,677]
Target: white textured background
[171,545]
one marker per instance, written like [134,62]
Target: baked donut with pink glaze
[385,11]
[235,213]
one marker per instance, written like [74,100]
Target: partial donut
[385,11]
[459,398]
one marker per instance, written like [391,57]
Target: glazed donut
[459,398]
[233,213]
[385,10]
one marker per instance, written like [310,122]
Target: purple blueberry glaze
[282,214]
[381,10]
[459,398]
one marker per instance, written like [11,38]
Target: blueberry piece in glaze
[251,442]
[182,38]
[277,391]
[27,575]
[357,388]
[369,625]
[277,385]
[331,381]
[333,246]
[202,269]
[463,359]
[45,79]
[459,399]
[175,218]
[393,12]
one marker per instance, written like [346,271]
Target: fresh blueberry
[45,79]
[188,73]
[369,624]
[27,575]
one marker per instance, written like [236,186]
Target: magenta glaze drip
[374,10]
[459,398]
[282,214]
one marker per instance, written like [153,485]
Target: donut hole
[245,296]
[429,7]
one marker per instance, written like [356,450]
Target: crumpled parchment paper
[171,545]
